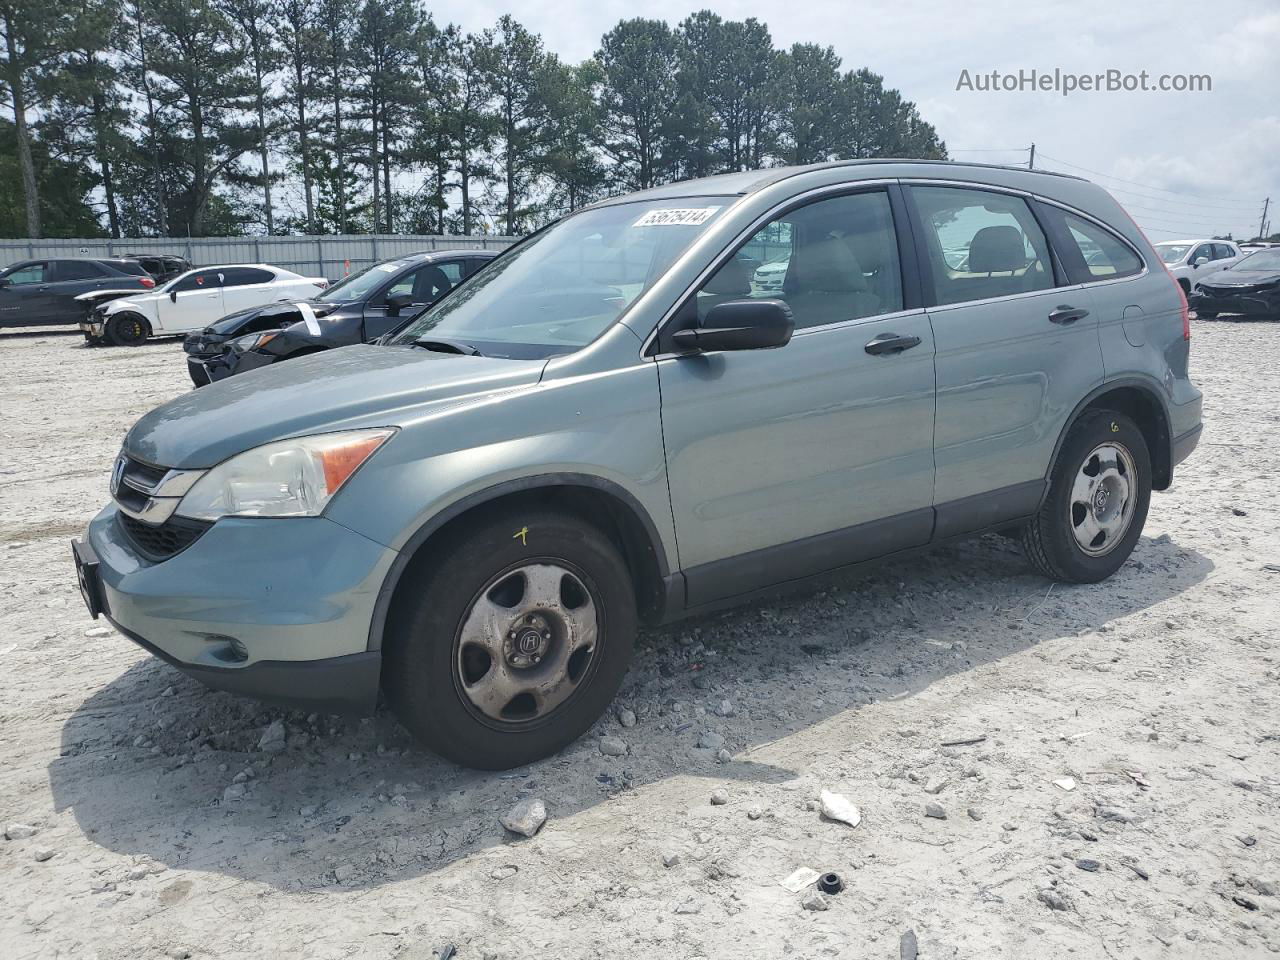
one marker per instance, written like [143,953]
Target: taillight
[1186,308]
[147,282]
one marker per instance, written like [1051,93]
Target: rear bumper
[279,610]
[1183,445]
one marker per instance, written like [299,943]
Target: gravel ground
[1104,758]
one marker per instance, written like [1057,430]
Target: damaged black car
[1250,286]
[358,309]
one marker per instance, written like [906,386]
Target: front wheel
[1099,493]
[511,639]
[127,330]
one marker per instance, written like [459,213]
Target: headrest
[997,250]
[430,282]
[824,266]
[731,280]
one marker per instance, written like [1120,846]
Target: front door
[26,298]
[425,283]
[783,463]
[194,303]
[1015,352]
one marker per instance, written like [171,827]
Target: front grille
[144,473]
[165,540]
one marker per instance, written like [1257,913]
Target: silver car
[610,425]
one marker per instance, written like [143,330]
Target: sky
[1185,164]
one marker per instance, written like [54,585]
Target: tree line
[222,117]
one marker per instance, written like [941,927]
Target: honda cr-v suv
[610,423]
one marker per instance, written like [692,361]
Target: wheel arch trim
[1150,388]
[457,508]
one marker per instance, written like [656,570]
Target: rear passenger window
[76,270]
[831,260]
[982,244]
[244,276]
[1090,251]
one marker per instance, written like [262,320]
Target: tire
[127,330]
[1059,539]
[1185,285]
[476,594]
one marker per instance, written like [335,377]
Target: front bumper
[277,609]
[1250,304]
[209,369]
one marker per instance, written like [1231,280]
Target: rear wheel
[511,640]
[127,330]
[1097,504]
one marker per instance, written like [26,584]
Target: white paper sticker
[309,318]
[676,217]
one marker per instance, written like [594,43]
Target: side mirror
[1199,261]
[397,302]
[173,296]
[4,281]
[740,325]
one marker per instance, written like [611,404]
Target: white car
[191,301]
[1189,260]
[769,277]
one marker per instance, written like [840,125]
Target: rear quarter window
[1089,251]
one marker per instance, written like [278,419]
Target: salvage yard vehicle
[1190,260]
[608,425]
[44,292]
[358,309]
[190,301]
[1250,286]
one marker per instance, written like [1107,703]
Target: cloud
[1206,148]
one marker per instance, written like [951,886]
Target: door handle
[1067,314]
[890,343]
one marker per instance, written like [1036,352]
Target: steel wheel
[527,641]
[1102,500]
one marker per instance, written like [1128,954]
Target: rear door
[245,287]
[193,303]
[1017,347]
[70,279]
[783,463]
[25,297]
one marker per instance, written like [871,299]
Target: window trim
[928,281]
[904,235]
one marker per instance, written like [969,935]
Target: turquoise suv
[615,423]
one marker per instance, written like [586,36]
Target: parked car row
[44,292]
[611,423]
[358,309]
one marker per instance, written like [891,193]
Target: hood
[233,323]
[1239,276]
[360,386]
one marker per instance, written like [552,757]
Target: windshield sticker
[676,217]
[309,318]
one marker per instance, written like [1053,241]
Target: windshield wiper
[443,345]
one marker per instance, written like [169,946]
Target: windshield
[561,289]
[1172,252]
[360,285]
[1262,260]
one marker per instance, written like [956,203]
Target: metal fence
[320,256]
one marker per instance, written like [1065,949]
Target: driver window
[31,273]
[204,280]
[831,260]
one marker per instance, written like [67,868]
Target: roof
[749,181]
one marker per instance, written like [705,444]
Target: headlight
[288,478]
[253,341]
